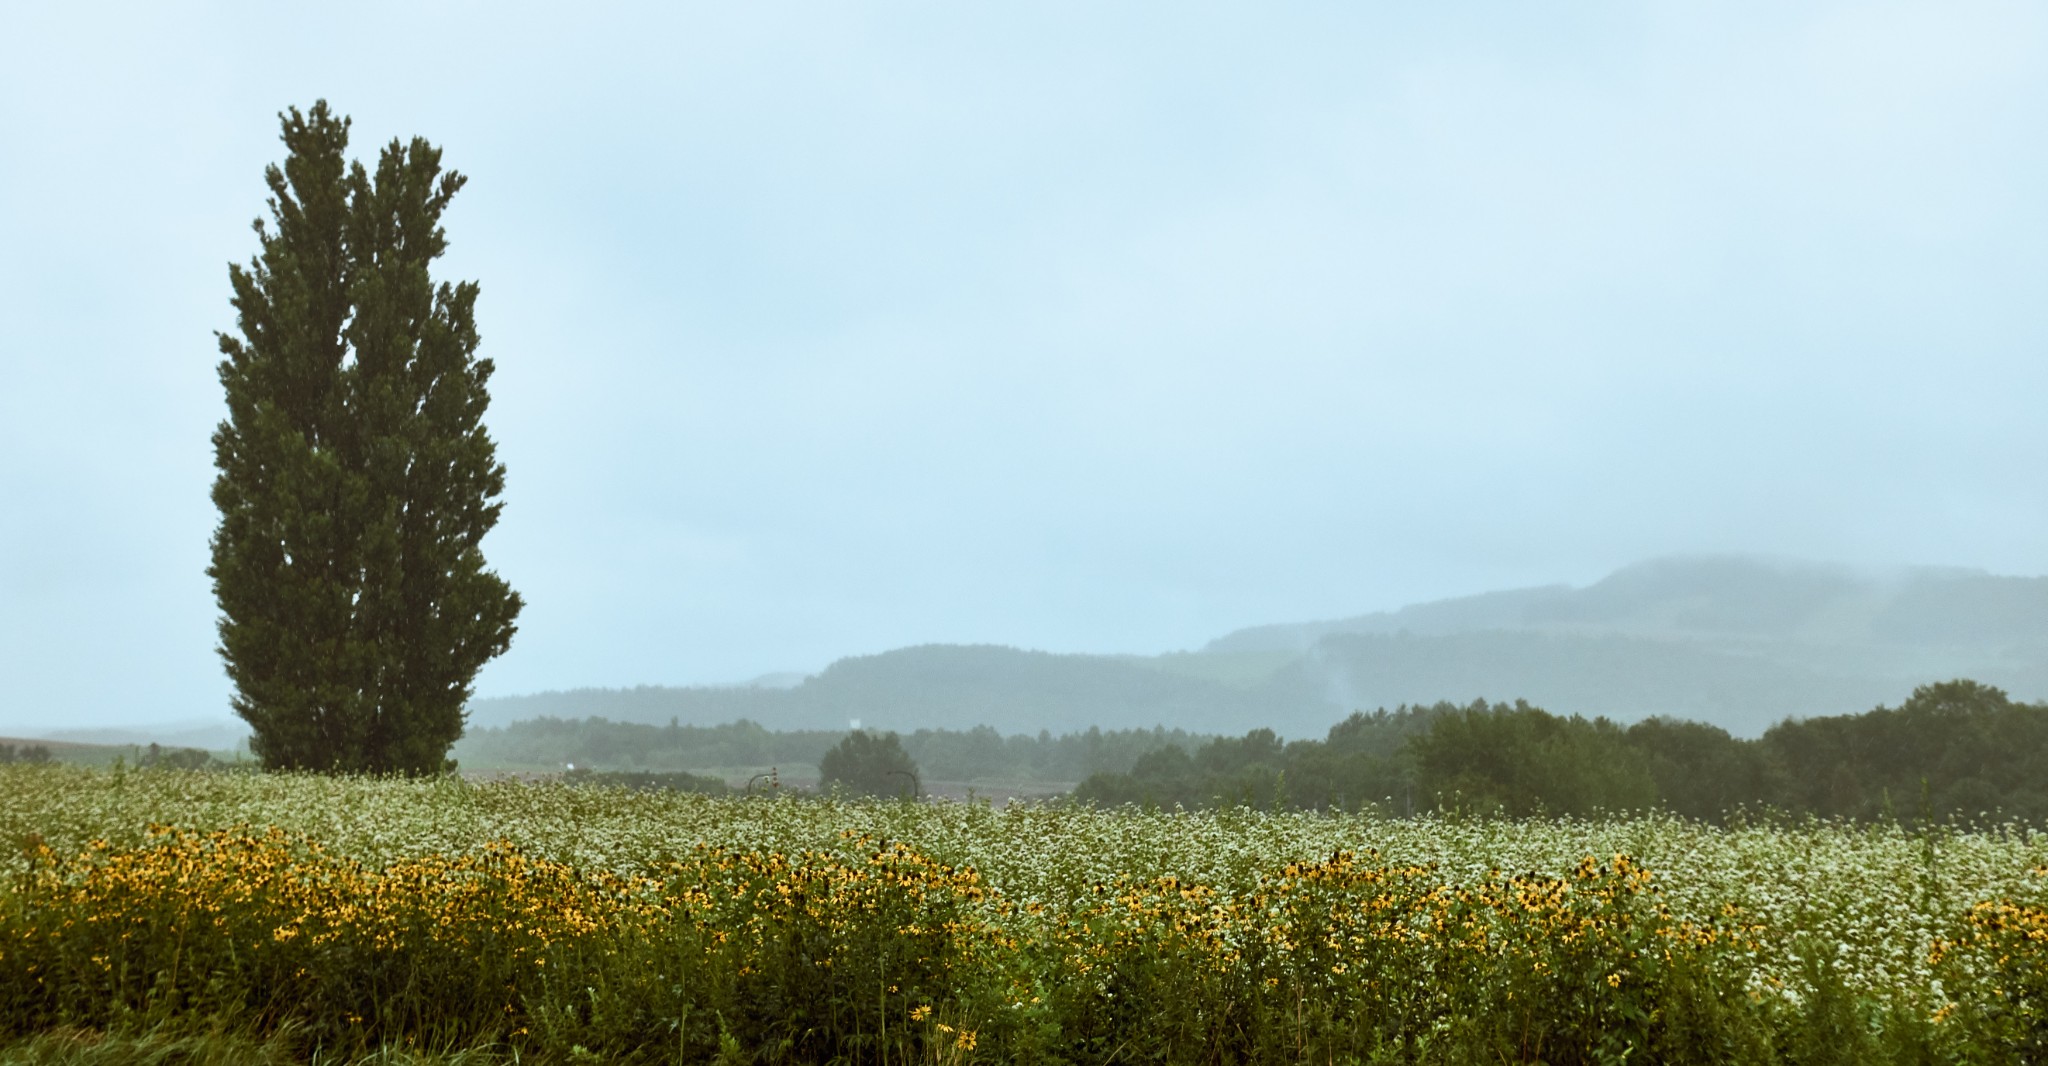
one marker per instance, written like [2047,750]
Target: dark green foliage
[1700,771]
[28,753]
[984,754]
[356,479]
[1834,1025]
[1365,762]
[178,1045]
[870,764]
[1491,759]
[1521,761]
[1955,750]
[1247,772]
[1170,778]
[1967,747]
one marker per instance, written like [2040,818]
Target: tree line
[1958,749]
[1955,750]
[969,755]
[860,764]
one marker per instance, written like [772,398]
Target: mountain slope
[1831,618]
[928,687]
[1737,642]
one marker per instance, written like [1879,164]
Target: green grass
[162,1047]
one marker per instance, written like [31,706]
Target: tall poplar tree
[356,478]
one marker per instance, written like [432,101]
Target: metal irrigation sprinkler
[916,787]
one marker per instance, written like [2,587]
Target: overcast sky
[824,329]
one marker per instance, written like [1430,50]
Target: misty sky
[829,328]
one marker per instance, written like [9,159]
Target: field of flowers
[555,923]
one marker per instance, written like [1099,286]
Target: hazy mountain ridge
[935,686]
[1739,642]
[1625,678]
[1749,601]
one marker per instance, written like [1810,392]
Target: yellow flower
[920,1013]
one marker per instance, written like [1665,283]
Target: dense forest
[1958,749]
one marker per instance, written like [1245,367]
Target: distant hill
[224,735]
[1735,641]
[938,686]
[1745,604]
[1624,678]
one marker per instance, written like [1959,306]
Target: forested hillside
[1733,642]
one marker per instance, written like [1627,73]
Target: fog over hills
[935,686]
[1731,600]
[1740,642]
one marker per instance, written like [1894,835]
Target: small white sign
[853,723]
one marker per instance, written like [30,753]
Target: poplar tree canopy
[356,479]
